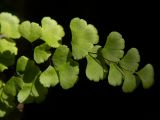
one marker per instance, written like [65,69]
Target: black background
[139,25]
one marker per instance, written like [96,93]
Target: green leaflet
[1,84]
[6,45]
[31,90]
[129,83]
[42,53]
[52,32]
[2,67]
[95,51]
[9,25]
[113,49]
[49,77]
[84,36]
[31,73]
[131,60]
[146,75]
[96,69]
[21,64]
[6,59]
[67,68]
[6,99]
[13,85]
[37,93]
[24,93]
[40,91]
[115,76]
[68,74]
[30,31]
[3,110]
[8,50]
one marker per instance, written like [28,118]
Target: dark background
[138,22]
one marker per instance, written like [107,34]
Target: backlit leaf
[1,84]
[131,60]
[67,68]
[113,49]
[6,45]
[24,93]
[41,53]
[84,36]
[2,113]
[9,25]
[129,83]
[52,32]
[8,50]
[13,85]
[115,76]
[30,31]
[21,64]
[49,77]
[146,75]
[3,110]
[40,90]
[96,69]
[31,74]
[2,67]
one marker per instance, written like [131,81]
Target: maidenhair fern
[30,84]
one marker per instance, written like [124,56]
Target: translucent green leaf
[6,59]
[6,99]
[3,95]
[36,92]
[1,84]
[52,32]
[13,85]
[95,70]
[24,93]
[2,113]
[2,67]
[10,87]
[131,60]
[39,92]
[1,90]
[67,68]
[30,31]
[6,45]
[62,55]
[21,64]
[146,75]
[68,75]
[115,76]
[3,110]
[49,77]
[113,49]
[31,74]
[95,51]
[41,53]
[9,25]
[129,83]
[84,36]
[8,50]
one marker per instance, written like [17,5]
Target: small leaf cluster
[30,83]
